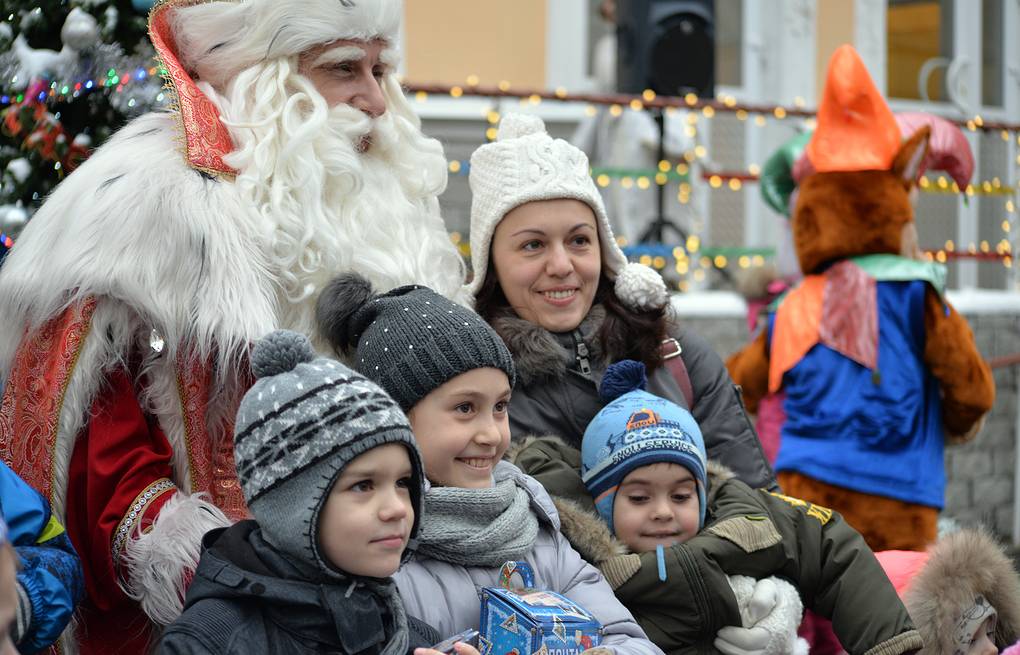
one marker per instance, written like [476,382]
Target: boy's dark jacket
[245,599]
[747,532]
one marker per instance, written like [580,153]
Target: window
[729,41]
[919,48]
[729,20]
[991,53]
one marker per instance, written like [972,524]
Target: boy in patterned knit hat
[333,478]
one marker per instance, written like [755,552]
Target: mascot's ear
[907,163]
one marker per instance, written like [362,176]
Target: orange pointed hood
[856,129]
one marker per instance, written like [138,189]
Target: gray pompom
[279,352]
[336,308]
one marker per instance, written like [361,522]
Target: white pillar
[870,38]
[566,44]
[777,70]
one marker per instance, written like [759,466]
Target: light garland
[707,108]
[61,91]
[690,257]
[649,100]
[643,178]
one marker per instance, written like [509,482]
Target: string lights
[61,91]
[684,259]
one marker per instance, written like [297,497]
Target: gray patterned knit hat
[410,340]
[302,422]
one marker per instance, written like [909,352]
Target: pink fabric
[948,149]
[817,631]
[754,309]
[771,417]
[849,322]
[901,566]
[1012,650]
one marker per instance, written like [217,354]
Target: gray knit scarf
[478,527]
[397,644]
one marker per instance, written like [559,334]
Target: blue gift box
[527,621]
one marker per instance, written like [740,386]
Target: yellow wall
[913,33]
[835,26]
[448,40]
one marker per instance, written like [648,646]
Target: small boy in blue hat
[689,525]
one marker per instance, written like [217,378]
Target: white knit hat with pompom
[525,164]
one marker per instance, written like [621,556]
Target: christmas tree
[71,73]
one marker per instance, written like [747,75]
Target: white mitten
[770,610]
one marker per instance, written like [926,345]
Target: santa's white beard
[326,208]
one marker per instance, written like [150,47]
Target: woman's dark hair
[625,333]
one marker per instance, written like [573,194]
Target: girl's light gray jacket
[446,597]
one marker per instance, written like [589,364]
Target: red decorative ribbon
[207,139]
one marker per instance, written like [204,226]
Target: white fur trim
[183,255]
[641,288]
[156,562]
[523,165]
[161,397]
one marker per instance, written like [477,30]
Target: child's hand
[459,648]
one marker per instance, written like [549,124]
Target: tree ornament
[80,30]
[142,6]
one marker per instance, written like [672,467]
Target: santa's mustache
[353,126]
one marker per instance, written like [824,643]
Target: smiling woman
[547,254]
[552,282]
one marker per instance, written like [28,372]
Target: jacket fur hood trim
[536,352]
[589,534]
[961,566]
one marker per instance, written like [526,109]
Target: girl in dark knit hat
[453,376]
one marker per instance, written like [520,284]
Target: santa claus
[128,304]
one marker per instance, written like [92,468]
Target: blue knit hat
[636,429]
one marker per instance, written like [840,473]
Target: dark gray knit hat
[301,423]
[410,340]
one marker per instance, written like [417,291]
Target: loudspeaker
[667,46]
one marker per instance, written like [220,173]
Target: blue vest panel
[878,432]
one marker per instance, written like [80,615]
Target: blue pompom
[622,377]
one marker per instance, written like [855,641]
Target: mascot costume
[129,302]
[879,370]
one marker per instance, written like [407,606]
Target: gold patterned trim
[204,139]
[127,525]
[87,309]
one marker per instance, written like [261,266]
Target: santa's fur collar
[137,226]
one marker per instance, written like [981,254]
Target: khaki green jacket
[747,532]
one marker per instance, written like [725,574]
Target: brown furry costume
[836,219]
